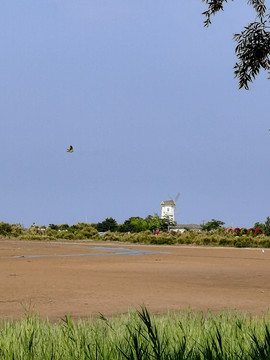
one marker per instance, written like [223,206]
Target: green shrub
[86,233]
[111,236]
[5,229]
[242,242]
[66,235]
[161,239]
[51,233]
[265,242]
[243,231]
[206,240]
[226,241]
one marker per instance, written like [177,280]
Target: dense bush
[244,231]
[213,238]
[5,228]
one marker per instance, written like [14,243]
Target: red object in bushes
[258,231]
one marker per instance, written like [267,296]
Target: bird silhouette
[70,150]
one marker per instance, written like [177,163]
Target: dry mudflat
[84,279]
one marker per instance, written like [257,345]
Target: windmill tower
[168,208]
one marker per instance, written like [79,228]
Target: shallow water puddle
[114,252]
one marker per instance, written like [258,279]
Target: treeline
[85,230]
[257,229]
[134,224]
[138,230]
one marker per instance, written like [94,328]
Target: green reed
[138,335]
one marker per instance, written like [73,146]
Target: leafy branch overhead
[253,43]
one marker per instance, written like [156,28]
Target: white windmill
[168,208]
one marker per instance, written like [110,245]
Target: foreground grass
[138,335]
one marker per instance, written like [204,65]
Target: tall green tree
[212,225]
[259,225]
[155,223]
[253,43]
[137,224]
[267,226]
[109,224]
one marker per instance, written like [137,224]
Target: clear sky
[147,97]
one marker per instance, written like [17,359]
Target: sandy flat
[84,279]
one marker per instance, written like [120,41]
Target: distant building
[185,227]
[167,210]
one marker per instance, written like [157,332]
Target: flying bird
[70,150]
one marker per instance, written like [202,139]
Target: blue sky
[147,97]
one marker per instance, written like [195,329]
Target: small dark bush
[243,242]
[5,228]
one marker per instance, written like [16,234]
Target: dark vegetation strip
[83,231]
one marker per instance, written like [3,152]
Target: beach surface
[83,279]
